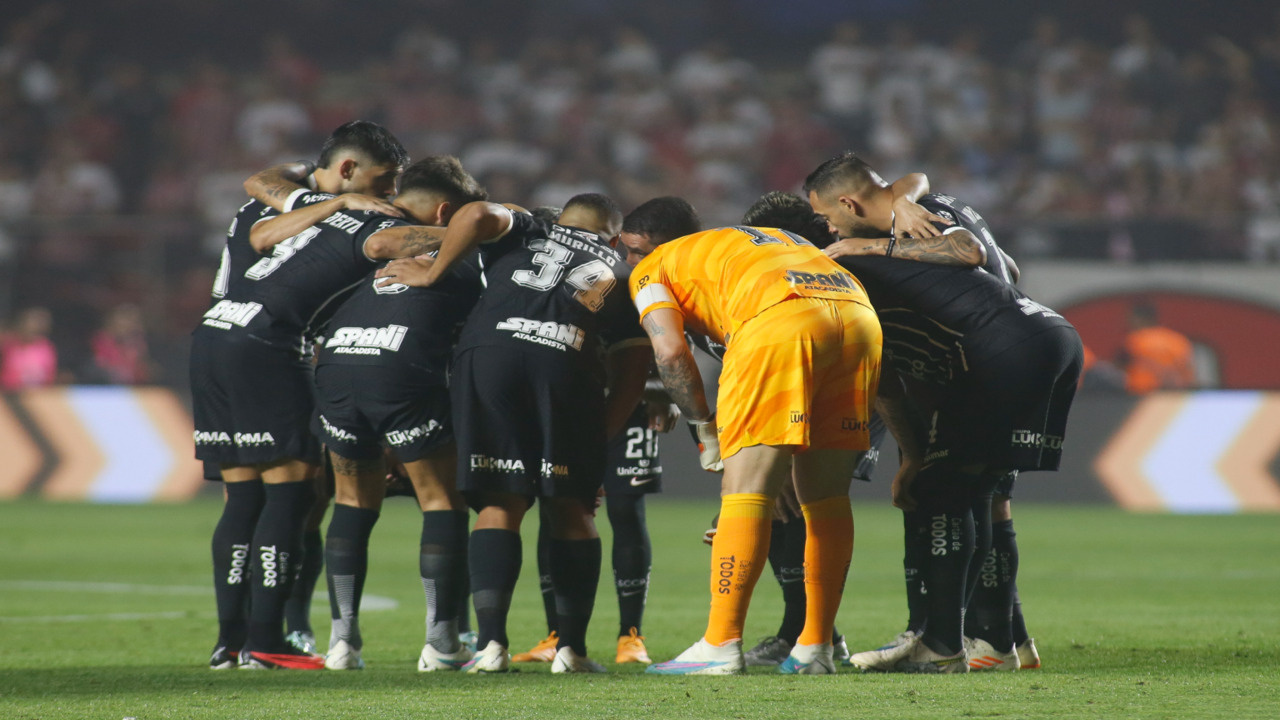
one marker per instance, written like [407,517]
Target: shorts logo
[1027,438]
[936,455]
[335,431]
[399,438]
[228,312]
[799,417]
[821,281]
[366,341]
[641,481]
[206,437]
[484,462]
[853,424]
[560,336]
[550,469]
[257,439]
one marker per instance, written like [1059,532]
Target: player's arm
[891,403]
[267,233]
[676,366]
[473,225]
[1013,266]
[909,216]
[276,184]
[403,241]
[957,246]
[627,369]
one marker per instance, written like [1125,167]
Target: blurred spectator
[120,355]
[27,356]
[71,184]
[1155,357]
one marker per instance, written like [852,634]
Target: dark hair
[663,219]
[444,176]
[846,170]
[602,205]
[547,213]
[790,212]
[368,138]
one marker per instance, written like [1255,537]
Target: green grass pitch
[105,612]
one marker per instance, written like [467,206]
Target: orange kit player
[798,384]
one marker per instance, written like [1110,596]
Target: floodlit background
[1126,153]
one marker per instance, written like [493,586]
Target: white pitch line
[369,603]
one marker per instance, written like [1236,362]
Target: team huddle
[374,318]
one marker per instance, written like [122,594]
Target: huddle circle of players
[380,327]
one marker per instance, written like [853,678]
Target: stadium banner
[102,444]
[1183,452]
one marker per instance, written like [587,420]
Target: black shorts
[252,402]
[1010,412]
[634,467]
[526,423]
[361,408]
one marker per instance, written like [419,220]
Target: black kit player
[997,369]
[251,383]
[994,612]
[634,467]
[381,383]
[532,406]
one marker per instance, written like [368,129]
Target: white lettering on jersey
[367,341]
[398,438]
[560,336]
[1031,307]
[254,439]
[228,312]
[343,222]
[206,437]
[484,462]
[336,431]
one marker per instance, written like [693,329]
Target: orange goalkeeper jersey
[719,279]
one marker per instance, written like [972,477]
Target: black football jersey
[964,216]
[556,290]
[939,320]
[276,298]
[401,326]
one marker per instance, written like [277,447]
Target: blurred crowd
[118,177]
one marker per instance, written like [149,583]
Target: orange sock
[738,554]
[827,551]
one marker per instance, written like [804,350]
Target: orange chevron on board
[20,457]
[173,423]
[1244,464]
[1119,465]
[79,459]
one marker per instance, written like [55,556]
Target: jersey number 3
[282,252]
[591,281]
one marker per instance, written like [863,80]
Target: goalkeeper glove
[704,434]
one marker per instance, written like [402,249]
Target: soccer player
[800,369]
[251,391]
[997,369]
[634,466]
[532,409]
[381,382]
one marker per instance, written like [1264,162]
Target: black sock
[297,610]
[231,540]
[786,557]
[575,572]
[632,558]
[945,568]
[545,585]
[990,615]
[347,561]
[1019,623]
[981,511]
[495,558]
[441,553]
[277,540]
[915,544]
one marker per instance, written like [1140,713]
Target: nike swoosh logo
[637,482]
[788,581]
[629,594]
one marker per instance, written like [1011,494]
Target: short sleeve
[303,197]
[649,287]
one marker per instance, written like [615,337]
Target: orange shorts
[804,373]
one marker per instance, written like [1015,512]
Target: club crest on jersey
[228,312]
[560,336]
[366,341]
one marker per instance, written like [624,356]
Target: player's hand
[710,535]
[912,219]
[662,415]
[855,246]
[787,506]
[902,482]
[704,434]
[414,272]
[356,201]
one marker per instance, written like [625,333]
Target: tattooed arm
[403,241]
[274,185]
[266,234]
[676,366]
[474,224]
[955,247]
